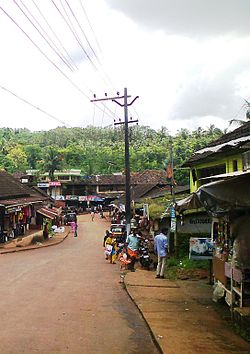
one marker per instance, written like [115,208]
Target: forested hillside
[97,150]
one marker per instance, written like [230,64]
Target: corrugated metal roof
[225,175]
[237,139]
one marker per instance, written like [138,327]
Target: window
[235,165]
[246,160]
[212,171]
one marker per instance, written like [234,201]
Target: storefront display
[231,263]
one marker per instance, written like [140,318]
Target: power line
[108,81]
[86,15]
[57,53]
[34,106]
[79,25]
[71,27]
[51,61]
[54,33]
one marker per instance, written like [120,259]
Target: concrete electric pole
[126,122]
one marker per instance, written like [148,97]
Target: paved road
[67,299]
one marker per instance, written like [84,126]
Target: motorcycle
[144,257]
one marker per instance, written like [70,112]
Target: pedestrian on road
[132,244]
[73,225]
[46,231]
[105,237]
[108,247]
[161,249]
[92,215]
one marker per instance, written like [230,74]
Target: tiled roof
[140,190]
[145,177]
[227,143]
[20,201]
[150,177]
[11,187]
[13,192]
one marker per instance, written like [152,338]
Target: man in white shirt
[161,249]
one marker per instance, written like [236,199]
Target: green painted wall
[228,161]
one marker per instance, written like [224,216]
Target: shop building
[226,198]
[18,207]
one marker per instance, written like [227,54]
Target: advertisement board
[201,248]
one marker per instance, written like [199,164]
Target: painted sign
[172,212]
[54,184]
[43,185]
[201,248]
[173,225]
[71,197]
[59,197]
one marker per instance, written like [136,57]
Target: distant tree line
[96,150]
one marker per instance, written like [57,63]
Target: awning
[225,175]
[10,203]
[190,202]
[219,196]
[48,213]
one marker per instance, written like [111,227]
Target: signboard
[200,248]
[43,185]
[54,184]
[83,198]
[71,197]
[173,225]
[195,224]
[59,197]
[172,212]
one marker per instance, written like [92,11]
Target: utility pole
[126,122]
[173,212]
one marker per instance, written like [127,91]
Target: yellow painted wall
[228,161]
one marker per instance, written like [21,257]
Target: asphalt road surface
[68,299]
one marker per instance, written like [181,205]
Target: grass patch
[186,268]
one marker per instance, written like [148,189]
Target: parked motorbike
[144,256]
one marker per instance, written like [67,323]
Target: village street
[67,299]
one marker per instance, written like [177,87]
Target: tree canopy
[96,150]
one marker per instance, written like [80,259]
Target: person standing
[92,214]
[46,231]
[105,237]
[133,243]
[161,249]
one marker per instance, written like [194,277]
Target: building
[18,206]
[230,154]
[71,188]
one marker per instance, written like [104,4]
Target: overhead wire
[60,41]
[73,31]
[34,106]
[77,37]
[51,61]
[70,26]
[55,35]
[56,52]
[105,76]
[89,23]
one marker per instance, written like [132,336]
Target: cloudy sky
[187,60]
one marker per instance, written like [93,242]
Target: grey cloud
[216,97]
[188,17]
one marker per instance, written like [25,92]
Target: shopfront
[228,202]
